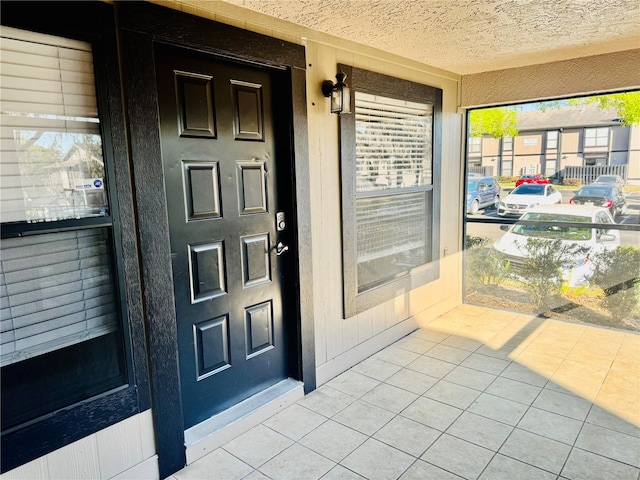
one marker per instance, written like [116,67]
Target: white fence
[589,174]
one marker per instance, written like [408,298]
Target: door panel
[220,169]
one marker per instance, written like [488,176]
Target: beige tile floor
[476,394]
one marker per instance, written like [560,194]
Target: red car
[536,178]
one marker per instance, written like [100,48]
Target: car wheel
[496,202]
[475,206]
[623,210]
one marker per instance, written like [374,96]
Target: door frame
[143,25]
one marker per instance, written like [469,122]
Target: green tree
[627,105]
[498,122]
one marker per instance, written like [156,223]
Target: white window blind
[52,166]
[393,187]
[393,143]
[56,289]
[391,236]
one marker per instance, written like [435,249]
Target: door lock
[280,223]
[281,248]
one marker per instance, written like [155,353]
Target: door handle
[280,248]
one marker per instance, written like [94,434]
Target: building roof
[566,117]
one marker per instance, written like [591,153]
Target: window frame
[475,145]
[45,434]
[507,144]
[366,81]
[552,139]
[596,136]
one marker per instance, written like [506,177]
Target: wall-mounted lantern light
[339,93]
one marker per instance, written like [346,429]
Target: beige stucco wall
[587,75]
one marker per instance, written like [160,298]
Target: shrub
[507,179]
[484,265]
[617,273]
[572,182]
[471,241]
[544,261]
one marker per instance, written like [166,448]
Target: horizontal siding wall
[124,451]
[339,342]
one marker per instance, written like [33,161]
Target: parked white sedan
[527,196]
[586,241]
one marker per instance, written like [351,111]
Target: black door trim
[142,24]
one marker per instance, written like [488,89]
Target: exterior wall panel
[620,139]
[124,450]
[571,141]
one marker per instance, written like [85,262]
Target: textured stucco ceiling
[470,36]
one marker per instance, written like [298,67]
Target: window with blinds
[56,288]
[393,183]
[390,167]
[393,143]
[52,166]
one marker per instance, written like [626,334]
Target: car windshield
[528,189]
[606,179]
[593,191]
[472,186]
[554,231]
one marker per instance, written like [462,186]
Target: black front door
[228,252]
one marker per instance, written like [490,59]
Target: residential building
[552,139]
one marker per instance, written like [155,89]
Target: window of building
[390,170]
[507,168]
[552,140]
[59,292]
[507,144]
[596,137]
[475,144]
[550,167]
[63,342]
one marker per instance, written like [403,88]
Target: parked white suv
[592,240]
